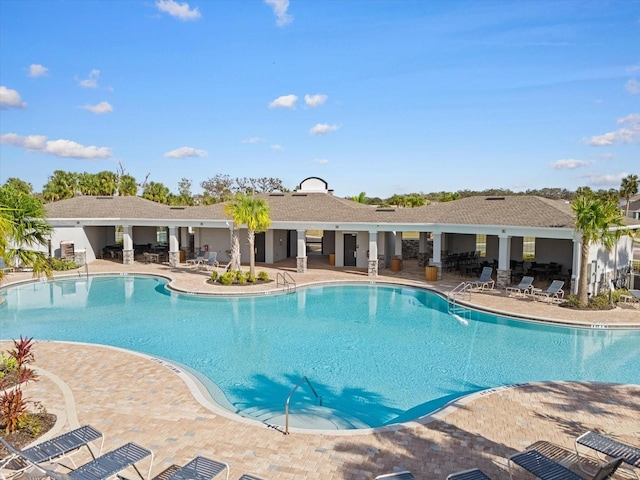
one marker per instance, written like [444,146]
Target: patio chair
[472,474]
[609,447]
[523,288]
[249,476]
[405,475]
[554,291]
[200,468]
[211,262]
[56,449]
[485,282]
[632,299]
[4,267]
[195,261]
[546,469]
[112,463]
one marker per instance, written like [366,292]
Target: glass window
[481,244]
[528,248]
[119,234]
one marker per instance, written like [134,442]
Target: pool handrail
[286,406]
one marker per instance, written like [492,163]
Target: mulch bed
[21,438]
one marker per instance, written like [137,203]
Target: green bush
[30,424]
[251,278]
[600,301]
[227,278]
[241,278]
[59,264]
[214,276]
[263,276]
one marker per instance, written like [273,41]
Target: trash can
[396,264]
[332,259]
[431,274]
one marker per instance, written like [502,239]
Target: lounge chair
[4,267]
[546,469]
[199,259]
[632,299]
[249,476]
[211,263]
[485,282]
[405,475]
[472,474]
[610,447]
[112,463]
[56,449]
[200,468]
[523,288]
[553,292]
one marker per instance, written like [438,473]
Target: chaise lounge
[545,468]
[200,468]
[523,288]
[553,292]
[485,282]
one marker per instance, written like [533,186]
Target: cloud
[252,140]
[59,148]
[632,86]
[280,10]
[10,99]
[36,70]
[184,152]
[628,134]
[605,180]
[99,109]
[285,101]
[91,81]
[315,100]
[178,10]
[277,147]
[323,129]
[569,164]
[321,161]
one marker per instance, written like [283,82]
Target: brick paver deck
[130,397]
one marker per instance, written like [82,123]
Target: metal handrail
[287,280]
[462,288]
[286,406]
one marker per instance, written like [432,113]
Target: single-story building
[514,234]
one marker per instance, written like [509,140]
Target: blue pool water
[380,354]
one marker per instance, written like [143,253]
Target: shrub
[227,278]
[59,264]
[600,301]
[263,276]
[214,276]
[13,407]
[251,278]
[241,278]
[30,424]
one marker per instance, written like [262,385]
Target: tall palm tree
[595,219]
[628,188]
[361,198]
[252,212]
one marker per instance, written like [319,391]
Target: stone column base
[301,264]
[174,259]
[423,259]
[503,278]
[127,257]
[439,267]
[372,268]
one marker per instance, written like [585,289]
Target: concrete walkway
[131,397]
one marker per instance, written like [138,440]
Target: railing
[287,281]
[286,407]
[463,288]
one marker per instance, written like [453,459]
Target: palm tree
[23,229]
[361,198]
[628,188]
[156,192]
[127,186]
[252,212]
[595,218]
[61,185]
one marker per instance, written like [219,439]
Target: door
[350,249]
[258,246]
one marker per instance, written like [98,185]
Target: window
[528,248]
[481,244]
[161,236]
[119,234]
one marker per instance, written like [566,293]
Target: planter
[332,259]
[396,264]
[431,274]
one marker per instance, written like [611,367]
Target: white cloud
[632,86]
[277,147]
[605,180]
[323,129]
[99,109]
[184,152]
[285,101]
[59,148]
[280,10]
[569,164]
[36,70]
[252,140]
[321,161]
[178,10]
[91,81]
[10,98]
[315,100]
[623,135]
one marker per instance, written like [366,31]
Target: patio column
[423,247]
[398,245]
[372,261]
[174,252]
[503,275]
[127,245]
[575,266]
[436,260]
[301,258]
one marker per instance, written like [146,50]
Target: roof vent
[495,198]
[276,194]
[299,194]
[104,197]
[176,208]
[385,209]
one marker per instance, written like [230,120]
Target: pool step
[310,417]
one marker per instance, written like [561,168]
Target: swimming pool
[376,354]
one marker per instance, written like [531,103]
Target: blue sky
[377,96]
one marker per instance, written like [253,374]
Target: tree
[19,185]
[252,212]
[127,186]
[24,230]
[361,198]
[156,192]
[60,186]
[628,188]
[595,220]
[184,197]
[107,183]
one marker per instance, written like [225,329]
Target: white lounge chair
[485,282]
[211,263]
[523,288]
[553,292]
[405,475]
[200,258]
